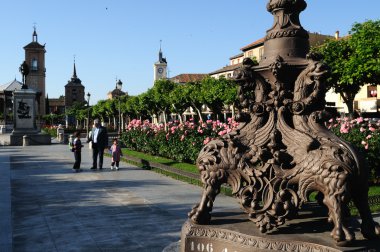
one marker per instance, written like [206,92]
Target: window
[330,104]
[34,65]
[261,53]
[371,91]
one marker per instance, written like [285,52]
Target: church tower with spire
[35,58]
[160,67]
[74,90]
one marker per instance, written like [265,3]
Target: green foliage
[156,159]
[179,98]
[52,131]
[354,60]
[75,108]
[166,96]
[99,110]
[218,92]
[52,119]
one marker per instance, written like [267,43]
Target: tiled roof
[185,78]
[56,102]
[226,69]
[116,93]
[314,39]
[34,45]
[237,56]
[74,82]
[253,44]
[11,86]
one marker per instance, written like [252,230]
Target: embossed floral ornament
[282,150]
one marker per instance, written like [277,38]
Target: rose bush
[180,142]
[364,134]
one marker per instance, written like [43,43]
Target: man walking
[99,138]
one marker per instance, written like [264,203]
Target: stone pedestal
[24,107]
[24,102]
[231,232]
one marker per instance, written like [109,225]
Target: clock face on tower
[160,70]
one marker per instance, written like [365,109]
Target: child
[116,153]
[77,149]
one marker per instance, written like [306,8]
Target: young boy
[116,153]
[77,148]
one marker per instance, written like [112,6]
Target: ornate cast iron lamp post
[282,151]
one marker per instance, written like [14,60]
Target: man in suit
[99,138]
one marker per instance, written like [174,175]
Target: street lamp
[88,112]
[119,85]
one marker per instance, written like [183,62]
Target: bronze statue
[24,70]
[282,151]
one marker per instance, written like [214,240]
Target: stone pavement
[55,209]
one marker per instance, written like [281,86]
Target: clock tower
[160,67]
[35,58]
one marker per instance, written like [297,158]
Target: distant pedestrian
[77,149]
[116,154]
[99,139]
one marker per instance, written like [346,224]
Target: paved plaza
[45,206]
[55,209]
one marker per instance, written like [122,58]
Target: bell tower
[35,58]
[160,67]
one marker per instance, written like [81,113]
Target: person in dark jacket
[77,149]
[99,139]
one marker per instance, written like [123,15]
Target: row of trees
[164,98]
[354,61]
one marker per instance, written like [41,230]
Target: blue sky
[120,38]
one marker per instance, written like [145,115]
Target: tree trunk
[348,99]
[165,121]
[198,112]
[122,122]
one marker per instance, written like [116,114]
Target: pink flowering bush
[181,142]
[50,129]
[364,134]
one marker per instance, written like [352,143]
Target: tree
[75,111]
[147,103]
[196,97]
[160,94]
[179,98]
[354,60]
[217,93]
[132,107]
[110,110]
[99,110]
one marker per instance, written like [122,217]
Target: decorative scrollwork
[283,151]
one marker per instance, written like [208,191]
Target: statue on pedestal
[24,70]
